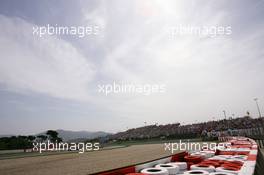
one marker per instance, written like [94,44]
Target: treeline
[26,142]
[16,142]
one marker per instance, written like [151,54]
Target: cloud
[203,75]
[47,65]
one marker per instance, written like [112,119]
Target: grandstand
[245,126]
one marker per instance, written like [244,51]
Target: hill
[68,135]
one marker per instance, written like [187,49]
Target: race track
[82,164]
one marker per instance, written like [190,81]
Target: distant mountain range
[67,135]
[5,136]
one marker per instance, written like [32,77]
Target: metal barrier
[259,168]
[259,139]
[255,133]
[260,142]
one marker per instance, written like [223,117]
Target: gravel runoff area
[82,164]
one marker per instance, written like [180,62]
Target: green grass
[31,154]
[10,154]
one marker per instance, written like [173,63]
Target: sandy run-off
[82,164]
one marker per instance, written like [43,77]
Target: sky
[51,82]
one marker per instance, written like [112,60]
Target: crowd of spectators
[188,131]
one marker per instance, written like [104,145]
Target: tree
[19,142]
[42,137]
[31,138]
[53,136]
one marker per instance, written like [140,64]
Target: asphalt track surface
[82,164]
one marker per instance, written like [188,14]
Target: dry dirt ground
[82,164]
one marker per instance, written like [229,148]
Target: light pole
[256,99]
[224,113]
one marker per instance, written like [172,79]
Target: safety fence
[259,168]
[255,133]
[260,142]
